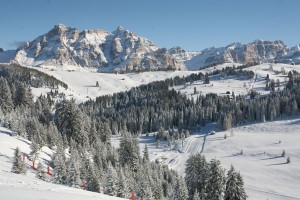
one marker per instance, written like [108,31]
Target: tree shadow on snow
[275,157]
[284,163]
[7,133]
[22,140]
[232,155]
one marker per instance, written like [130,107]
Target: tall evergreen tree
[111,181]
[196,173]
[73,172]
[41,172]
[59,166]
[196,195]
[6,102]
[216,181]
[18,166]
[179,190]
[130,153]
[145,154]
[234,186]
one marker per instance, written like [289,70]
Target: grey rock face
[119,50]
[267,51]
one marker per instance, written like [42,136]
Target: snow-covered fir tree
[130,153]
[6,102]
[196,195]
[73,172]
[18,166]
[34,148]
[92,181]
[41,172]
[59,166]
[110,184]
[122,188]
[179,191]
[196,173]
[216,181]
[145,154]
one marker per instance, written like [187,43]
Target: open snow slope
[82,83]
[27,187]
[239,85]
[266,173]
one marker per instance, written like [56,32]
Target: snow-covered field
[27,187]
[265,171]
[82,83]
[239,85]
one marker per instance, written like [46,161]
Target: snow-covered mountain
[266,51]
[120,50]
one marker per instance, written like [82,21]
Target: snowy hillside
[82,83]
[239,85]
[265,171]
[27,187]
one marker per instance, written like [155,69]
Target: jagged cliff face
[239,53]
[119,50]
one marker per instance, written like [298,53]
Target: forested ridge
[85,130]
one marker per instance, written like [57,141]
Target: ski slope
[266,173]
[27,187]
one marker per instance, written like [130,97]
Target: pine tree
[18,166]
[110,181]
[130,153]
[34,150]
[59,166]
[92,180]
[145,154]
[122,189]
[216,181]
[234,186]
[179,190]
[196,173]
[6,102]
[73,172]
[41,173]
[196,195]
[206,79]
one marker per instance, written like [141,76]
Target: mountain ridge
[253,52]
[124,51]
[119,50]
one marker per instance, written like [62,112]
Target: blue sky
[191,24]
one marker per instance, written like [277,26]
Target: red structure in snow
[132,196]
[49,171]
[33,165]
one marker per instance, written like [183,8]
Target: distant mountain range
[257,51]
[124,51]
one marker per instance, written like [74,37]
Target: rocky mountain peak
[120,50]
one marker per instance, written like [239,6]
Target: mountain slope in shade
[257,51]
[120,50]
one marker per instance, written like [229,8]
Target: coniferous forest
[83,132]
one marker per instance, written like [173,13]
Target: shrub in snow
[283,153]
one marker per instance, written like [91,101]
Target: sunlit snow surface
[27,187]
[265,173]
